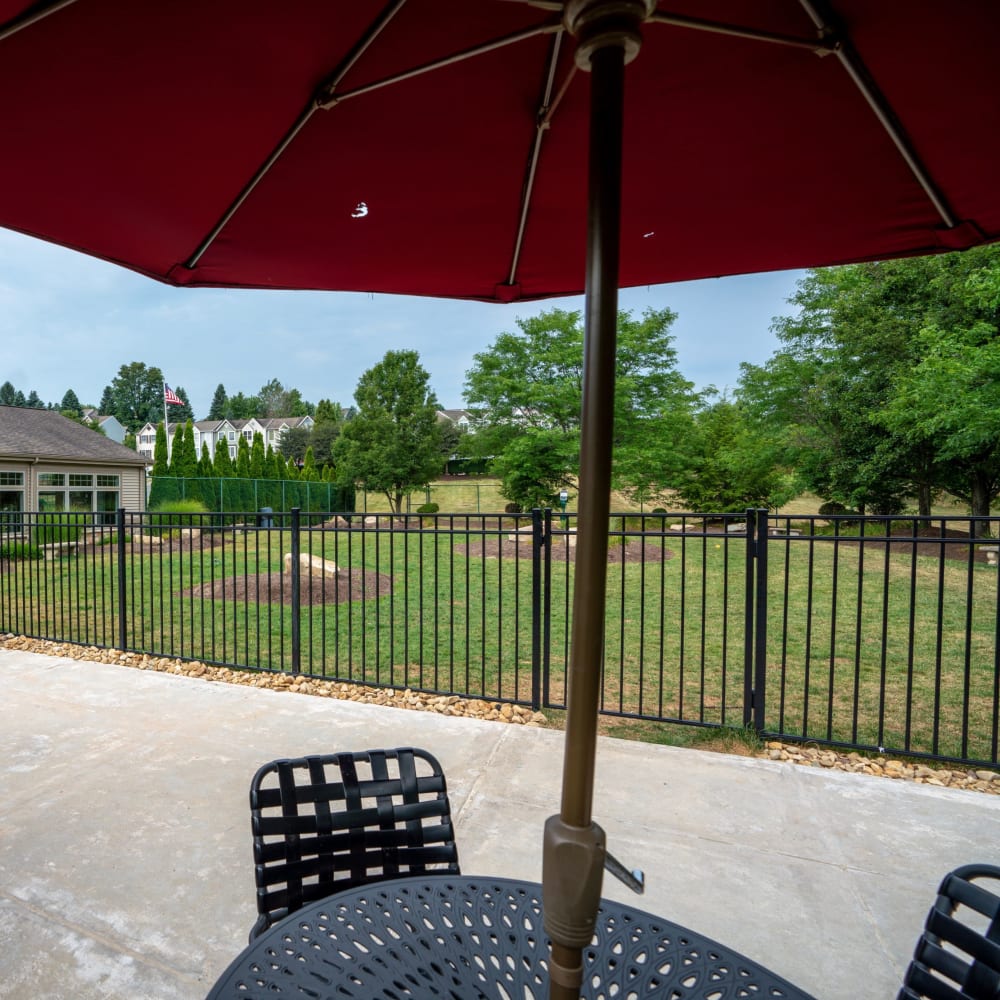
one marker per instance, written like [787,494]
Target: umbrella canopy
[436,147]
[755,139]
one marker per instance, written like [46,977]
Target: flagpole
[166,422]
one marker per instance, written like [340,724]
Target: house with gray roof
[52,464]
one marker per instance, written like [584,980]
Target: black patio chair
[958,954]
[327,823]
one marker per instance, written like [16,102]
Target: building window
[76,493]
[11,479]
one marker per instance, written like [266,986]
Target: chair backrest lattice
[958,954]
[322,824]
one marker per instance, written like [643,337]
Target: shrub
[172,514]
[20,550]
[512,508]
[50,529]
[428,508]
[831,508]
[659,510]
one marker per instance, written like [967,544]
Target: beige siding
[133,488]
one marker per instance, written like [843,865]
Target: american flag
[169,396]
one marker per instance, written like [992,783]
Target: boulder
[312,565]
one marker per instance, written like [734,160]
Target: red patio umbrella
[436,147]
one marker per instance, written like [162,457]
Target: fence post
[748,616]
[122,617]
[547,610]
[755,647]
[760,624]
[537,541]
[296,593]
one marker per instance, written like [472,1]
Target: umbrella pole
[573,851]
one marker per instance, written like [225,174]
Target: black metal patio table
[469,938]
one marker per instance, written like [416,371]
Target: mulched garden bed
[276,588]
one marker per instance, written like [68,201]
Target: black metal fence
[875,633]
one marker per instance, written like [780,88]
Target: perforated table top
[469,938]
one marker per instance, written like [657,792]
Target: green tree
[8,394]
[328,423]
[222,462]
[948,403]
[528,387]
[393,444]
[182,413]
[205,467]
[294,442]
[35,401]
[137,395]
[161,463]
[734,463]
[240,407]
[129,441]
[70,402]
[217,411]
[257,457]
[243,458]
[107,404]
[277,401]
[861,390]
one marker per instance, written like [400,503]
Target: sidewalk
[125,855]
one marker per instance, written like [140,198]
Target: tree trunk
[980,502]
[924,500]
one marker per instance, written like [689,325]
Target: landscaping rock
[312,565]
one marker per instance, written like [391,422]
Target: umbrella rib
[327,98]
[192,262]
[820,45]
[26,20]
[863,80]
[388,13]
[544,120]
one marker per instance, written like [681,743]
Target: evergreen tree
[34,401]
[222,463]
[183,413]
[243,459]
[205,469]
[70,403]
[309,472]
[217,411]
[107,404]
[177,451]
[8,394]
[19,399]
[257,468]
[161,463]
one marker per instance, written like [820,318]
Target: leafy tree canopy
[528,387]
[393,444]
[137,395]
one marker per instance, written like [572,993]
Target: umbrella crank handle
[635,878]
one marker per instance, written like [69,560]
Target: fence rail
[875,633]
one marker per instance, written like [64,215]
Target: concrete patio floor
[125,855]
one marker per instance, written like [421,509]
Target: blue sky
[70,321]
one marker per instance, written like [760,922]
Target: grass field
[865,644]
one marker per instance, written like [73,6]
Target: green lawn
[864,645]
